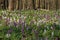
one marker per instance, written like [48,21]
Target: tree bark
[29,4]
[16,4]
[37,3]
[10,5]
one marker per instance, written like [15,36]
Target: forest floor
[29,25]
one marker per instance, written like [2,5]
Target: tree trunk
[37,3]
[23,4]
[20,4]
[5,4]
[16,4]
[29,4]
[53,4]
[10,5]
[58,3]
[1,4]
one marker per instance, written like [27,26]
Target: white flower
[25,17]
[10,24]
[40,21]
[10,13]
[14,19]
[17,20]
[4,17]
[44,20]
[47,27]
[0,24]
[57,22]
[22,21]
[22,16]
[52,33]
[8,35]
[51,27]
[11,20]
[34,22]
[44,30]
[37,23]
[3,12]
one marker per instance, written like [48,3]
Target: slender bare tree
[29,4]
[23,4]
[10,5]
[16,4]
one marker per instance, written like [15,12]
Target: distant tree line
[30,4]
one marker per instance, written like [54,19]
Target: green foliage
[31,24]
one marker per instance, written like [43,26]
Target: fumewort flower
[42,21]
[0,17]
[22,30]
[31,22]
[7,21]
[44,30]
[23,23]
[25,17]
[15,23]
[47,17]
[23,26]
[8,35]
[57,22]
[19,15]
[14,18]
[11,19]
[10,31]
[36,33]
[4,17]
[27,28]
[51,27]
[22,17]
[4,12]
[52,33]
[1,24]
[20,21]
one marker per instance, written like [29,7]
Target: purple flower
[58,17]
[0,17]
[23,25]
[15,23]
[53,26]
[20,21]
[27,27]
[7,21]
[31,22]
[10,31]
[36,33]
[47,17]
[22,30]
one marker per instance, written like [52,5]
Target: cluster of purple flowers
[37,24]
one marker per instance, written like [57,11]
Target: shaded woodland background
[30,4]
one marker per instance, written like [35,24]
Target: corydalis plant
[7,21]
[10,31]
[15,23]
